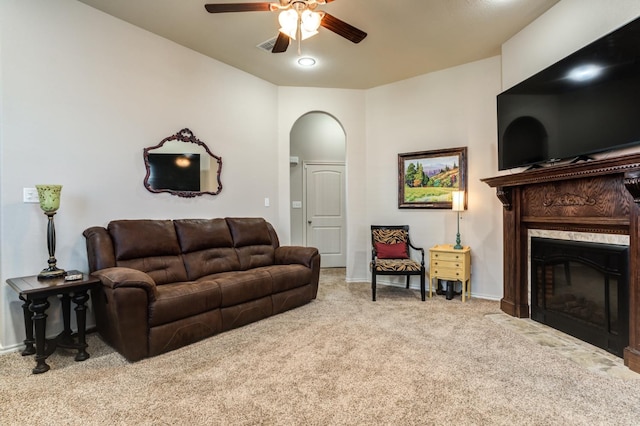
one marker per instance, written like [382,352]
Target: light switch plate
[296,204]
[30,195]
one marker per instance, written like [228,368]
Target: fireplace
[599,197]
[581,288]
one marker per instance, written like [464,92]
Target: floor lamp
[457,205]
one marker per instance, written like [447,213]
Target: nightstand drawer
[448,264]
[447,256]
[448,273]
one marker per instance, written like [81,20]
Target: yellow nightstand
[447,263]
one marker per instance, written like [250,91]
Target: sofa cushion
[149,246]
[143,238]
[184,299]
[212,261]
[249,231]
[162,269]
[253,243]
[251,257]
[200,234]
[207,247]
[242,286]
[286,277]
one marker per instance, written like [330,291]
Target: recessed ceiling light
[306,61]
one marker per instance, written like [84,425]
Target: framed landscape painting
[426,179]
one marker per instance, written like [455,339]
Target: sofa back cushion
[149,246]
[207,247]
[253,243]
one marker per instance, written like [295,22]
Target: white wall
[563,29]
[82,95]
[446,109]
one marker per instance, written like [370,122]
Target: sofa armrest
[286,255]
[306,256]
[100,252]
[122,304]
[119,277]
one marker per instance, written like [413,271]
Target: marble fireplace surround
[589,197]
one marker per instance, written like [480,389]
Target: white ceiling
[405,38]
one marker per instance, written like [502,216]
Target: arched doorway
[317,186]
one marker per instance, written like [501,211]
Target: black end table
[34,293]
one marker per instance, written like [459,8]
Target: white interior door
[326,212]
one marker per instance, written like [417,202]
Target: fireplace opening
[581,288]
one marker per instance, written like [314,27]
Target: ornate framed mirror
[182,165]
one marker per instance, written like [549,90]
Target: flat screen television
[587,103]
[176,172]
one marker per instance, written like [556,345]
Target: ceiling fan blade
[281,44]
[238,7]
[343,29]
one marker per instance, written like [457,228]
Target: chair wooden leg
[373,286]
[408,276]
[422,289]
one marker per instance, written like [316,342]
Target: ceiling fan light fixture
[310,21]
[306,34]
[288,22]
[307,21]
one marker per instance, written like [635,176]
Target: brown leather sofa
[168,283]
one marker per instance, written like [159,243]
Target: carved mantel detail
[566,200]
[504,195]
[632,183]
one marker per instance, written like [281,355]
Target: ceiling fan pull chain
[299,35]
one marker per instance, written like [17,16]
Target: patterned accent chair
[390,255]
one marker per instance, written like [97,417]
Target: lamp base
[51,272]
[458,246]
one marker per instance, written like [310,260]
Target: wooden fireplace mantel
[597,196]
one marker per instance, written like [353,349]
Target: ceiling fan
[298,20]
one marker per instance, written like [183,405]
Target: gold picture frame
[426,179]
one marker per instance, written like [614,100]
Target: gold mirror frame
[209,182]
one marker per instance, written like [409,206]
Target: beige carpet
[340,360]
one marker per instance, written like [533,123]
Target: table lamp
[457,205]
[49,196]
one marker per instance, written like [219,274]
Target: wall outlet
[30,195]
[266,202]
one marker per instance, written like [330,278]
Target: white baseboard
[415,286]
[13,348]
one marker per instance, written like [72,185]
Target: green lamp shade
[49,196]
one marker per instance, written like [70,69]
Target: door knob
[309,222]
